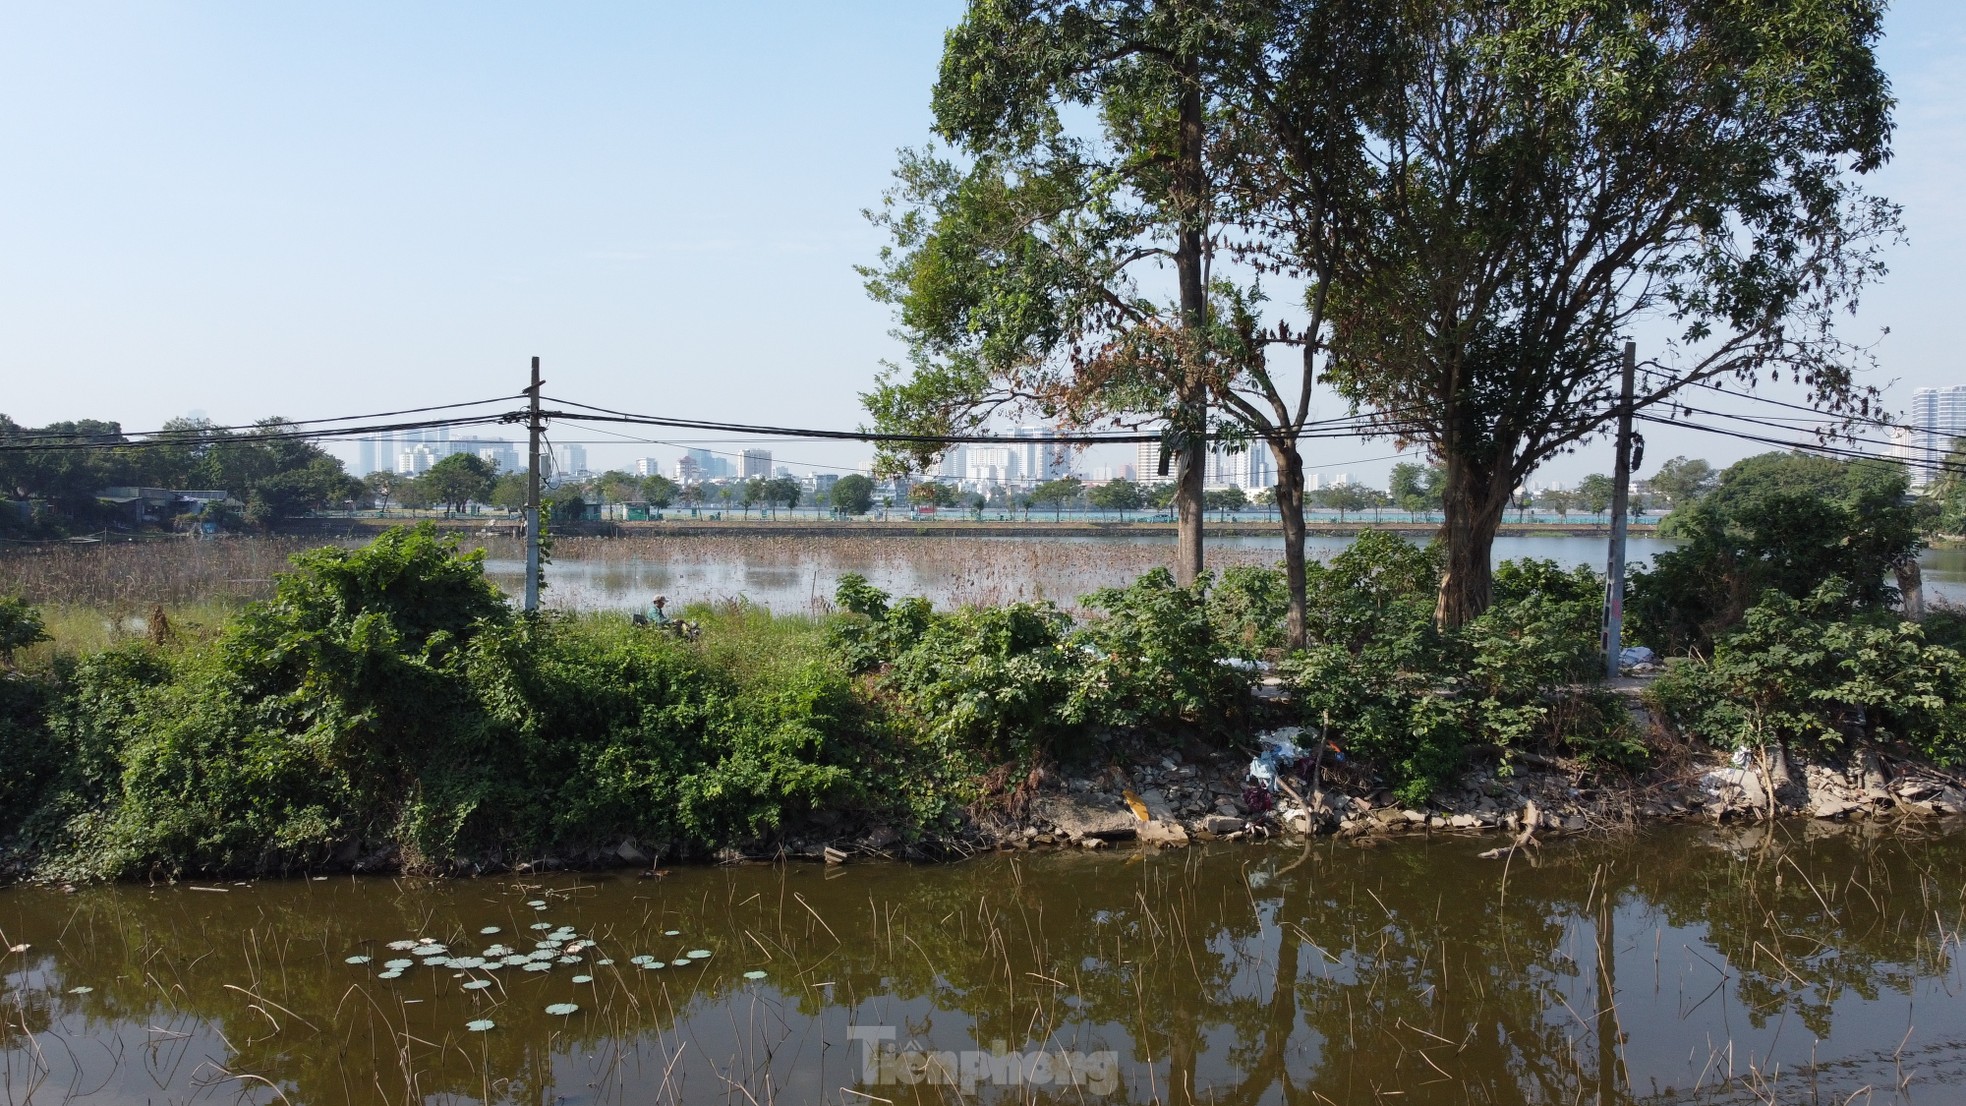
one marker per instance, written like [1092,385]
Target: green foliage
[388,697]
[1782,521]
[20,627]
[853,494]
[460,478]
[1117,495]
[1414,701]
[1247,608]
[1017,682]
[1056,494]
[1800,671]
[1154,659]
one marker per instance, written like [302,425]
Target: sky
[245,210]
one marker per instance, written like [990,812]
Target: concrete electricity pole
[1621,486]
[532,490]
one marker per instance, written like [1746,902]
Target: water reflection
[1689,965]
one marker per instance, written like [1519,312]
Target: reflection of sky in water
[1647,968]
[955,570]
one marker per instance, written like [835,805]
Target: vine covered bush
[1804,673]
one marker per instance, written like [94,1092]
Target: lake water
[798,575]
[1793,964]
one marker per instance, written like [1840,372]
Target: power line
[195,433]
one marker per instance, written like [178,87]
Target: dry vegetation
[122,582]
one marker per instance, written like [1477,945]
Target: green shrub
[1797,673]
[1153,659]
[1779,521]
[1247,608]
[1413,702]
[20,626]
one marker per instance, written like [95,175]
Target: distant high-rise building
[569,460]
[647,466]
[757,463]
[1040,456]
[954,463]
[416,460]
[1250,469]
[1938,415]
[989,465]
[365,456]
[1147,464]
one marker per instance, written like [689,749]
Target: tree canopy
[1548,176]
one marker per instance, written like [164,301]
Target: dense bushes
[1022,681]
[1809,674]
[1782,522]
[1380,680]
[388,696]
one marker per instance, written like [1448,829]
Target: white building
[990,465]
[1251,469]
[648,466]
[757,463]
[1938,415]
[569,460]
[1039,455]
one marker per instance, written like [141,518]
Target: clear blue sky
[259,209]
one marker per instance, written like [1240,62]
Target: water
[1798,964]
[792,576]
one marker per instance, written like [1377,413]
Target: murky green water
[1793,965]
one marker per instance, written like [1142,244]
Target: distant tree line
[54,475]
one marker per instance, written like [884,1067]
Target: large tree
[1553,176]
[460,478]
[1032,273]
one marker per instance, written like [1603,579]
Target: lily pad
[539,966]
[489,930]
[583,979]
[477,985]
[681,963]
[515,959]
[604,963]
[536,903]
[754,974]
[358,959]
[394,965]
[480,1025]
[672,933]
[402,946]
[697,954]
[393,973]
[542,925]
[83,990]
[561,1009]
[642,959]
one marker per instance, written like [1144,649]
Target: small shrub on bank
[1805,674]
[1415,703]
[1019,682]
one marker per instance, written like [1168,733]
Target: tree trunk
[1911,588]
[1290,509]
[1190,181]
[1189,472]
[1476,496]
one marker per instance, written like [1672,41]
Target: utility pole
[532,488]
[1621,488]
